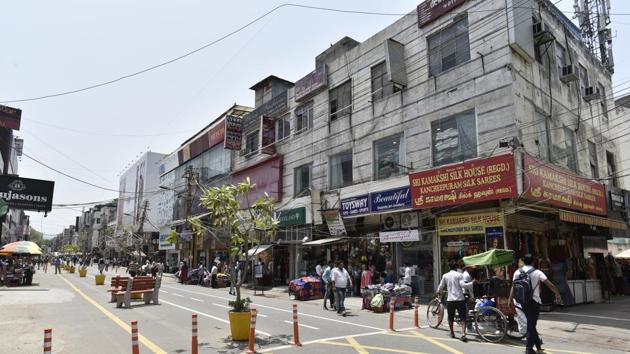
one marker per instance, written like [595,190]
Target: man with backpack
[526,291]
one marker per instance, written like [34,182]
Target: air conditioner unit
[590,93]
[409,220]
[541,35]
[569,74]
[390,222]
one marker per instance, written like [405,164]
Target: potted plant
[246,223]
[83,271]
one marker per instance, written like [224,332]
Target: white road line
[287,311]
[199,300]
[301,325]
[207,315]
[164,291]
[219,305]
[581,315]
[177,295]
[278,348]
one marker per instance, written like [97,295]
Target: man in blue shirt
[326,279]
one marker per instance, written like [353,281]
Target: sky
[55,46]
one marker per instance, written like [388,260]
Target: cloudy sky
[55,46]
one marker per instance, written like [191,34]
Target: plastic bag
[521,320]
[377,301]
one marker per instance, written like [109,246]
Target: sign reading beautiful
[551,185]
[471,181]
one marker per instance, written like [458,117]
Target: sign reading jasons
[472,181]
[468,224]
[551,185]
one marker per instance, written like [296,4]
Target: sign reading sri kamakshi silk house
[552,185]
[472,181]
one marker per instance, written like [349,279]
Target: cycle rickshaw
[489,322]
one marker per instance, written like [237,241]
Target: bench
[118,283]
[147,286]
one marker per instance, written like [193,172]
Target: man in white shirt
[341,280]
[532,310]
[454,283]
[407,276]
[318,270]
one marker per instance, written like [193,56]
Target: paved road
[83,321]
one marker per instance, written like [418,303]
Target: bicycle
[489,323]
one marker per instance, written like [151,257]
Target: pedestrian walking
[454,283]
[214,271]
[183,272]
[328,290]
[101,265]
[341,281]
[526,291]
[45,265]
[57,265]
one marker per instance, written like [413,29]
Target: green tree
[36,237]
[247,224]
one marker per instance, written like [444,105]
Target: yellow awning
[579,218]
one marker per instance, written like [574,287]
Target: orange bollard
[48,341]
[392,305]
[416,320]
[296,331]
[195,346]
[135,349]
[252,332]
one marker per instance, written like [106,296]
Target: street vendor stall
[306,288]
[19,269]
[378,297]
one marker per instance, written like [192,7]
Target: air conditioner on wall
[390,222]
[590,93]
[541,35]
[569,74]
[409,220]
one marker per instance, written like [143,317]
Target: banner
[10,117]
[399,236]
[471,181]
[355,205]
[334,222]
[552,185]
[469,224]
[311,83]
[398,198]
[233,133]
[27,194]
[290,217]
[431,10]
[216,135]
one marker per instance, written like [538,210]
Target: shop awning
[254,251]
[624,255]
[579,218]
[182,221]
[323,241]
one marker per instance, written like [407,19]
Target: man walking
[341,280]
[328,292]
[57,265]
[526,291]
[454,283]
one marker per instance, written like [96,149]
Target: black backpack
[522,288]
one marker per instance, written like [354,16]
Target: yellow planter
[136,296]
[71,270]
[100,279]
[239,324]
[82,272]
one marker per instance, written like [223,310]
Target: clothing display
[306,288]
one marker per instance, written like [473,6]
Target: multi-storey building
[463,126]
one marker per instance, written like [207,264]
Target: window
[283,128]
[98,221]
[251,142]
[602,102]
[592,155]
[303,117]
[340,99]
[341,170]
[570,149]
[449,47]
[561,59]
[381,86]
[611,169]
[389,157]
[583,79]
[454,138]
[543,140]
[301,179]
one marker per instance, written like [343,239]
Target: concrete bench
[147,286]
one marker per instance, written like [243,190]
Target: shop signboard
[216,135]
[272,108]
[164,245]
[431,10]
[292,217]
[470,224]
[311,83]
[472,181]
[355,205]
[398,198]
[268,131]
[334,222]
[267,177]
[617,199]
[233,133]
[552,185]
[26,193]
[10,117]
[399,236]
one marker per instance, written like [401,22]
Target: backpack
[522,288]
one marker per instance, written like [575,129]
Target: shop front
[287,258]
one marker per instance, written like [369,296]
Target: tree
[247,223]
[36,236]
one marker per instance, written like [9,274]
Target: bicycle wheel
[490,324]
[435,313]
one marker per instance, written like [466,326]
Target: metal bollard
[48,341]
[135,349]
[252,332]
[296,331]
[195,346]
[416,320]
[392,305]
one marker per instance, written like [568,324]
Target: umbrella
[21,247]
[494,257]
[624,255]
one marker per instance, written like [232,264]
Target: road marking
[164,291]
[144,340]
[174,294]
[223,306]
[353,342]
[372,347]
[302,325]
[435,342]
[587,316]
[316,341]
[288,311]
[194,299]
[207,315]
